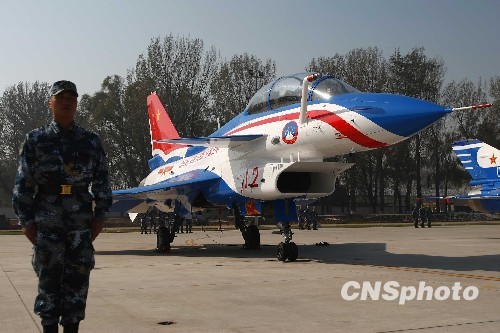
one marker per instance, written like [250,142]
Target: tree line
[201,90]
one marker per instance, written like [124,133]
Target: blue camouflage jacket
[52,156]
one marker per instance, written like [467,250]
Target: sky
[86,41]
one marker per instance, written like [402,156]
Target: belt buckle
[65,189]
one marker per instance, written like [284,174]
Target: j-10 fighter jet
[273,152]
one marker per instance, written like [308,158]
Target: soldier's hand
[97,226]
[30,232]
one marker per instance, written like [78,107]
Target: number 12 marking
[253,184]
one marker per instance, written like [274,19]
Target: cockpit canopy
[287,90]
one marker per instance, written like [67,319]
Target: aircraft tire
[165,248]
[294,252]
[283,251]
[252,237]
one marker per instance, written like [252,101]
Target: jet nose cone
[397,114]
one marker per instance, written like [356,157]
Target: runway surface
[208,283]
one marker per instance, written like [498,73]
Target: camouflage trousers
[63,257]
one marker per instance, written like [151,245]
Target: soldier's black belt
[62,189]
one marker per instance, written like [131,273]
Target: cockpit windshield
[327,87]
[259,102]
[287,90]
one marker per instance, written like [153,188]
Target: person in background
[428,217]
[189,223]
[422,212]
[415,215]
[144,224]
[152,219]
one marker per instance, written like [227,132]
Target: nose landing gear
[287,250]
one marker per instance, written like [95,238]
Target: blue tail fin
[481,160]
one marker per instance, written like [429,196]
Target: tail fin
[481,160]
[161,127]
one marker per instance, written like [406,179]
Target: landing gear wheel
[251,235]
[288,251]
[163,239]
[283,251]
[163,249]
[293,251]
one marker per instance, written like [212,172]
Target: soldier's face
[63,106]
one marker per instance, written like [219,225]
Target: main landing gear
[250,233]
[166,233]
[164,238]
[287,249]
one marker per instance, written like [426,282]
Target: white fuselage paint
[243,169]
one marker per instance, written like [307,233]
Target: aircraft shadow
[349,253]
[377,255]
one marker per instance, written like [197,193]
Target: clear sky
[87,40]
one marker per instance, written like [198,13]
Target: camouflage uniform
[63,255]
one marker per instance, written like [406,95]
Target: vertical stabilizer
[161,127]
[481,160]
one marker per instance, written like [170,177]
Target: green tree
[115,114]
[23,107]
[416,75]
[180,71]
[365,69]
[236,82]
[465,124]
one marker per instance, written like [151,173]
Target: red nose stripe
[344,127]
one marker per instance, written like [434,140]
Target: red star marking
[493,159]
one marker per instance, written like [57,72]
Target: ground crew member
[429,217]
[189,223]
[301,218]
[144,224]
[57,164]
[152,219]
[415,215]
[315,219]
[422,214]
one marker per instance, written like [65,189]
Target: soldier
[422,214]
[152,219]
[57,164]
[182,219]
[189,223]
[429,217]
[144,224]
[308,218]
[415,215]
[315,219]
[301,217]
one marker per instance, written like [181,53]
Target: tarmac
[208,283]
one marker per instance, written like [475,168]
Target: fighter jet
[482,161]
[273,152]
